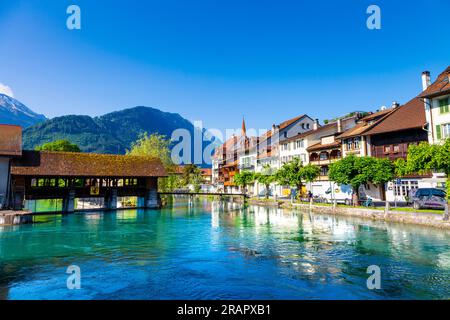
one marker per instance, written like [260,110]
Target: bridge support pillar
[141,202]
[69,202]
[152,199]
[111,200]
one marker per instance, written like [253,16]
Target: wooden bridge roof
[71,164]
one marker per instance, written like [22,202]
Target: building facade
[10,147]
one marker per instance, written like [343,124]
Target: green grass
[420,210]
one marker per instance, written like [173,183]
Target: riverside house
[436,98]
[268,148]
[317,146]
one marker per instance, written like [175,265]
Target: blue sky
[217,61]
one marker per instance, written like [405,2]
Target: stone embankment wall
[418,218]
[8,218]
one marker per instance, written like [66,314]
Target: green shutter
[444,105]
[438,132]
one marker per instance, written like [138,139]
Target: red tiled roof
[281,126]
[10,140]
[409,116]
[71,164]
[440,87]
[364,126]
[320,146]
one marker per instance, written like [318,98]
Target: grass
[419,210]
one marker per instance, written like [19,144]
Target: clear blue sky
[216,60]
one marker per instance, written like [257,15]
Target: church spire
[244,129]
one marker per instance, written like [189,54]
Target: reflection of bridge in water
[67,176]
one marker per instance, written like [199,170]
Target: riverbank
[429,219]
[8,218]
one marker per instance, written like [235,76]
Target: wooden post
[387,208]
[446,215]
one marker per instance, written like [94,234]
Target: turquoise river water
[219,250]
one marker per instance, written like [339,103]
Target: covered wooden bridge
[65,175]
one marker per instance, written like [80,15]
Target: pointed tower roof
[244,129]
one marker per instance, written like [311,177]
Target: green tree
[192,175]
[291,174]
[266,177]
[357,171]
[59,145]
[157,146]
[310,173]
[424,158]
[243,179]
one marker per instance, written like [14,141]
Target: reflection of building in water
[276,217]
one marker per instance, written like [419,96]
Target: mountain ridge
[14,112]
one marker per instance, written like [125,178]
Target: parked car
[430,198]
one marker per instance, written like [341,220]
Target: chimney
[316,124]
[339,125]
[274,127]
[426,80]
[395,104]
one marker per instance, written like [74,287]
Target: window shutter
[444,105]
[438,132]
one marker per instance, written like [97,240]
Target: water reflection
[219,249]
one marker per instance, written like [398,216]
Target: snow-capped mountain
[15,112]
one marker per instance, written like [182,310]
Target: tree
[59,145]
[266,177]
[310,173]
[157,146]
[243,179]
[290,174]
[192,175]
[424,158]
[153,145]
[357,171]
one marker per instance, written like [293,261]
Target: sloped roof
[320,146]
[281,126]
[364,125]
[440,87]
[309,132]
[409,116]
[71,164]
[10,140]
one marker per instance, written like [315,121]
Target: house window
[405,187]
[300,144]
[324,171]
[324,156]
[387,149]
[303,157]
[444,105]
[396,148]
[356,143]
[446,131]
[285,134]
[307,126]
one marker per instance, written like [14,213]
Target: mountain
[111,133]
[15,112]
